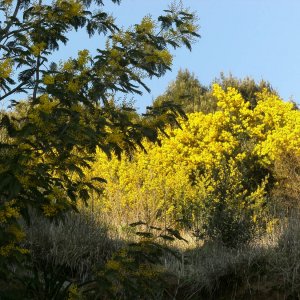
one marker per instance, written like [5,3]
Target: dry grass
[268,268]
[81,243]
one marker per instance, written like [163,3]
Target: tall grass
[81,242]
[267,268]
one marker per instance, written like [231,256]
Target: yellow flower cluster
[6,68]
[46,106]
[16,232]
[9,214]
[71,8]
[83,57]
[147,25]
[50,210]
[276,128]
[8,211]
[7,249]
[206,159]
[48,79]
[36,49]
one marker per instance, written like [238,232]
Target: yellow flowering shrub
[277,128]
[139,188]
[214,172]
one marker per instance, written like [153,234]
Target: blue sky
[257,38]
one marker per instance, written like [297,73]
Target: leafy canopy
[69,112]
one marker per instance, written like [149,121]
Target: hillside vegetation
[215,173]
[224,187]
[197,198]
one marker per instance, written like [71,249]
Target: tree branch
[13,90]
[8,34]
[9,24]
[37,72]
[37,77]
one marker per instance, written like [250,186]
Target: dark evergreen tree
[192,96]
[187,91]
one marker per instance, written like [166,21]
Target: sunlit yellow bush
[214,173]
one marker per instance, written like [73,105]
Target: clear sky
[257,38]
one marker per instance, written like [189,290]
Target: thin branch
[9,24]
[37,77]
[37,72]
[13,90]
[8,34]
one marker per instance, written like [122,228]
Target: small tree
[68,113]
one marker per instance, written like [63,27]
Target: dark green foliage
[68,113]
[187,91]
[137,271]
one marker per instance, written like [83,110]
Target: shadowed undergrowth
[267,268]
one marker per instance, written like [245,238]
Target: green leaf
[166,237]
[137,223]
[144,234]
